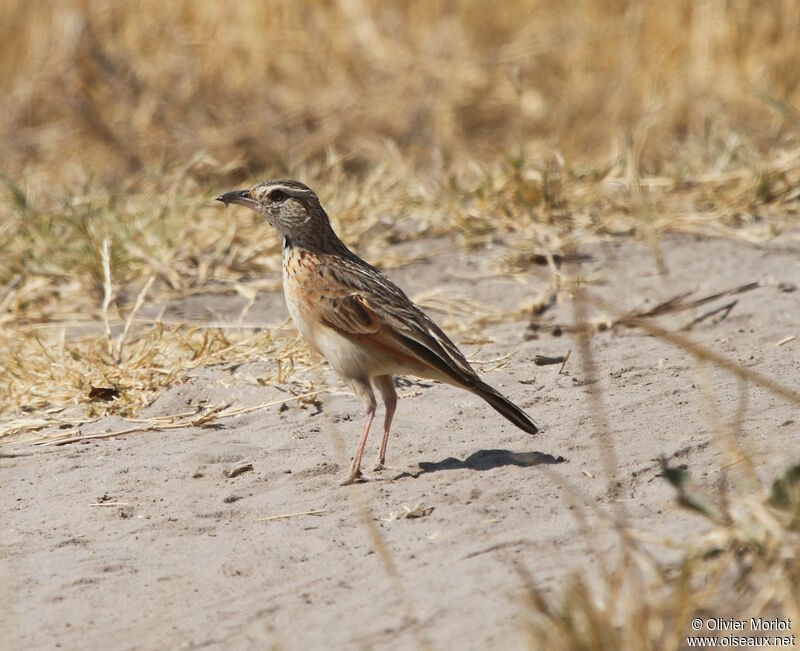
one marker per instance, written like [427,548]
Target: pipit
[355,317]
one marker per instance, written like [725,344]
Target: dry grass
[702,86]
[746,563]
[535,124]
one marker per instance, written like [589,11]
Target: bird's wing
[372,309]
[349,314]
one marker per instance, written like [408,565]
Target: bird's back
[338,290]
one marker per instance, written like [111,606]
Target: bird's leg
[385,385]
[355,468]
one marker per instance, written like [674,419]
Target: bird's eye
[277,195]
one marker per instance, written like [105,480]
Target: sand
[168,539]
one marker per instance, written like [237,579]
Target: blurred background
[103,91]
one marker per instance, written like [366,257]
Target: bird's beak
[242,197]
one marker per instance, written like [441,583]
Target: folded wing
[374,310]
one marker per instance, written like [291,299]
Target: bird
[349,312]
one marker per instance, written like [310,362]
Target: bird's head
[289,206]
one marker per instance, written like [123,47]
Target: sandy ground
[144,542]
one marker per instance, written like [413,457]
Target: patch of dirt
[150,541]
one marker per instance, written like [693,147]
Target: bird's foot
[350,479]
[357,477]
[353,477]
[379,465]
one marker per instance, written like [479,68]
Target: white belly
[349,358]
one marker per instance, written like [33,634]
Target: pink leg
[385,385]
[355,468]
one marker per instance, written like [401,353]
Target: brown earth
[147,542]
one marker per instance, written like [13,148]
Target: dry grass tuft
[61,386]
[744,566]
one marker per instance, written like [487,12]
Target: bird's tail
[507,408]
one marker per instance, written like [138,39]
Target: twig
[679,303]
[492,361]
[284,516]
[90,437]
[725,309]
[250,294]
[503,545]
[107,295]
[14,455]
[566,359]
[193,420]
[264,405]
[129,320]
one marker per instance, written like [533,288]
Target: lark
[355,317]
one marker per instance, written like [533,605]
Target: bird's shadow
[485,460]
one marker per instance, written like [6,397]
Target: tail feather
[504,406]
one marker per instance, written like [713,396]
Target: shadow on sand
[485,460]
